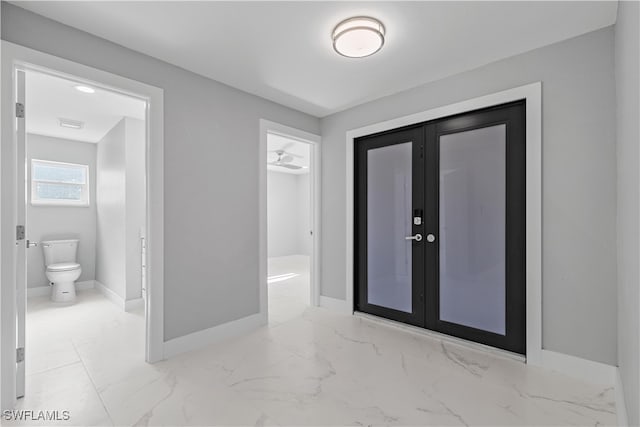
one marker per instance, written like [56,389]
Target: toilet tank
[57,251]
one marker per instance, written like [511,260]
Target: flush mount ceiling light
[71,124]
[85,89]
[358,37]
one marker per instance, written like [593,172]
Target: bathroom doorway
[292,203]
[85,230]
[81,191]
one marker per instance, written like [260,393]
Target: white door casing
[15,58]
[22,244]
[532,94]
[314,141]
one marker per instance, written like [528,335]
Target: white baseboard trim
[201,339]
[335,304]
[40,291]
[132,304]
[110,294]
[85,284]
[124,305]
[576,367]
[621,406]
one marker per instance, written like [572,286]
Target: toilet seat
[63,266]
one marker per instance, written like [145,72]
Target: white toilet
[62,268]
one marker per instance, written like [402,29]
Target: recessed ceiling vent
[71,124]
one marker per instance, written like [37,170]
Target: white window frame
[35,201]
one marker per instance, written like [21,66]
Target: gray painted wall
[287,214]
[282,214]
[214,277]
[120,207]
[111,210]
[579,181]
[135,203]
[61,222]
[211,255]
[627,60]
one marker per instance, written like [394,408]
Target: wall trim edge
[334,304]
[206,337]
[579,368]
[132,304]
[110,294]
[621,406]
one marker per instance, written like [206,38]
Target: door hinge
[19,110]
[19,354]
[19,232]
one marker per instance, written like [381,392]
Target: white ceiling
[300,149]
[282,50]
[50,98]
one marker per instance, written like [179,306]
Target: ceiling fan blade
[283,151]
[298,156]
[289,166]
[284,165]
[288,145]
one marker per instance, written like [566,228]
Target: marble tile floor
[288,287]
[318,368]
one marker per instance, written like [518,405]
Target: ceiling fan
[284,160]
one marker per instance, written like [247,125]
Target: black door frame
[513,114]
[415,135]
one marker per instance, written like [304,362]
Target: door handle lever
[31,244]
[417,237]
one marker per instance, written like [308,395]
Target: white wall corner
[578,368]
[204,338]
[334,304]
[621,406]
[133,304]
[111,295]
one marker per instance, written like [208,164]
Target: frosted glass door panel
[472,228]
[389,197]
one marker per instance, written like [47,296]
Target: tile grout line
[92,382]
[64,365]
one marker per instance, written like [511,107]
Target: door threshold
[437,335]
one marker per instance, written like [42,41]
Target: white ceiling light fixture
[358,37]
[71,124]
[84,89]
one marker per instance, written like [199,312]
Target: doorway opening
[17,61]
[288,226]
[82,150]
[290,206]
